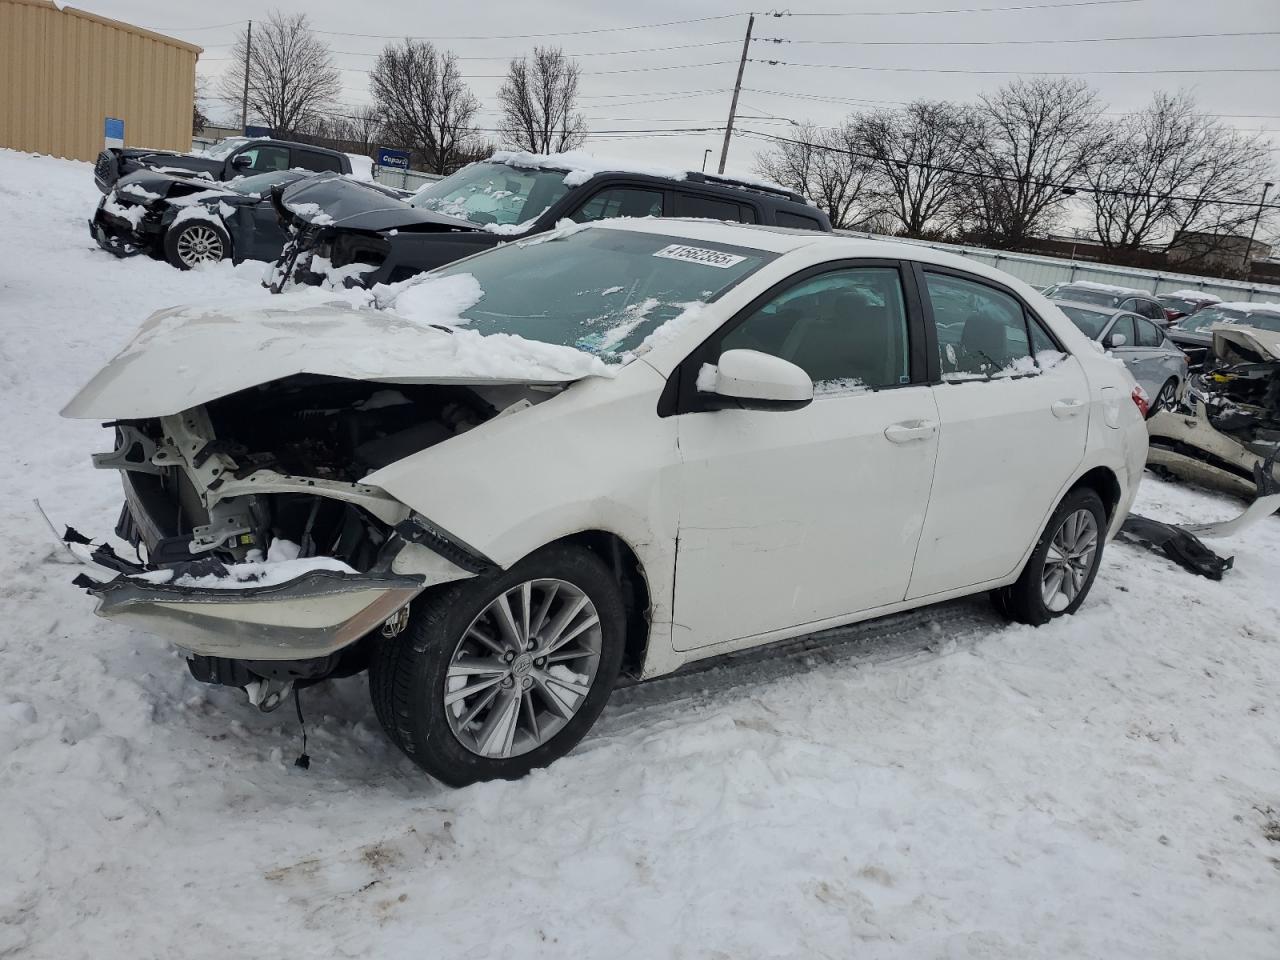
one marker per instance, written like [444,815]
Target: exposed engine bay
[282,462]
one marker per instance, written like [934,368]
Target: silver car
[1156,362]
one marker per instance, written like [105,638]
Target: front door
[1013,416]
[790,518]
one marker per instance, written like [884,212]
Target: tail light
[1140,399]
[1171,314]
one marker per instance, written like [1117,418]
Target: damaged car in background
[610,449]
[1225,433]
[344,236]
[190,222]
[1194,333]
[225,160]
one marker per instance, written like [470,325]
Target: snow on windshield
[613,294]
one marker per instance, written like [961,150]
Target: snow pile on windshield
[1193,295]
[580,167]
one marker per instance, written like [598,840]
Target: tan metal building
[64,71]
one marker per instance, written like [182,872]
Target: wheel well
[624,563]
[1104,483]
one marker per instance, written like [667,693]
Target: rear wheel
[1166,398]
[498,675]
[195,242]
[1063,565]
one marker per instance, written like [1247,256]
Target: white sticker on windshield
[708,258]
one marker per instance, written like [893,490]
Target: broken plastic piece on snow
[104,556]
[1265,503]
[72,535]
[84,581]
[1176,543]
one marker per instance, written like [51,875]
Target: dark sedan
[191,221]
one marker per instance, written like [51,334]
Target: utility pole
[244,99]
[1248,251]
[737,86]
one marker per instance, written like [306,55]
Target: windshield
[1086,295]
[1178,304]
[599,290]
[259,184]
[1090,322]
[1206,318]
[494,193]
[220,151]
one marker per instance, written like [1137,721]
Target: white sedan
[616,448]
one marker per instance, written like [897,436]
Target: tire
[1024,601]
[1166,398]
[441,654]
[195,242]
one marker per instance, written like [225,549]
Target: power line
[1025,73]
[998,43]
[535,36]
[922,13]
[1067,188]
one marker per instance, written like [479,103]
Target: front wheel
[195,242]
[501,674]
[1166,398]
[1063,565]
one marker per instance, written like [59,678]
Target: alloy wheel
[199,244]
[1166,397]
[523,668]
[1069,560]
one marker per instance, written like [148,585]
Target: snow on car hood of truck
[187,356]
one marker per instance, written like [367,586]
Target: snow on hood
[187,356]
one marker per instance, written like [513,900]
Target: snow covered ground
[938,786]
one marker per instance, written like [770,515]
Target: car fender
[596,457]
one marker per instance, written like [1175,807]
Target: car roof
[1093,308]
[783,240]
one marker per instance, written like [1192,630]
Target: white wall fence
[1042,271]
[403,179]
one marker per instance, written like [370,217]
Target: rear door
[712,208]
[789,518]
[1013,418]
[1130,353]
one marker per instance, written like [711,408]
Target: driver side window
[846,329]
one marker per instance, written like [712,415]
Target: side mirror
[756,381]
[1115,340]
[242,161]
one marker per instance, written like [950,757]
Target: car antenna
[303,760]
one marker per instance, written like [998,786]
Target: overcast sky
[695,90]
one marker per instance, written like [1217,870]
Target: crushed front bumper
[117,236]
[313,615]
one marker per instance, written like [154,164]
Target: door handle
[910,430]
[1062,409]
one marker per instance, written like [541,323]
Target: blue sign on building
[113,132]
[399,159]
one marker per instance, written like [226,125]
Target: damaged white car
[611,449]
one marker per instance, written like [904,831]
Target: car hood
[1265,343]
[156,183]
[334,200]
[187,356]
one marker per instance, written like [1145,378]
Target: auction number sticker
[702,255]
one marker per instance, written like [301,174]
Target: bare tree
[824,164]
[363,127]
[539,103]
[424,103]
[292,78]
[918,153]
[1027,140]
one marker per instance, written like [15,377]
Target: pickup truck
[226,160]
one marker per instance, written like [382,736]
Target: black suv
[231,158]
[347,233]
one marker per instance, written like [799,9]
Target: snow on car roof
[1249,306]
[1107,287]
[1193,295]
[579,167]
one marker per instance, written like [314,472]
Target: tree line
[1003,170]
[419,99]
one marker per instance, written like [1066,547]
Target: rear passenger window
[787,219]
[748,214]
[620,202]
[319,162]
[1148,334]
[847,329]
[982,331]
[689,205]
